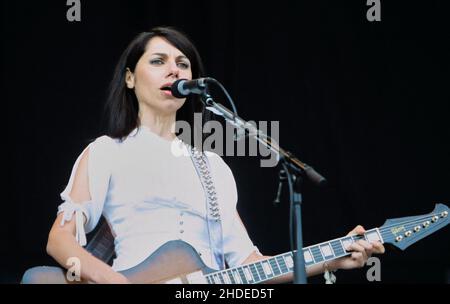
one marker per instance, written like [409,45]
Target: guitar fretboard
[282,264]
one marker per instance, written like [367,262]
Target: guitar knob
[408,233]
[399,238]
[435,218]
[426,224]
[444,214]
[417,229]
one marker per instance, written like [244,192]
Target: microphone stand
[295,171]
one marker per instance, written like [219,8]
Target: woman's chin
[171,105]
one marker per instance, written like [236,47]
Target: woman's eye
[183,65]
[156,61]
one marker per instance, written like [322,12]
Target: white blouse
[148,190]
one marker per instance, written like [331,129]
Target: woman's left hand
[361,252]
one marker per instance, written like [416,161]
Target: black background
[365,103]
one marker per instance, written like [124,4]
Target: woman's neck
[161,125]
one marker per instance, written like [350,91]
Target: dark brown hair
[122,105]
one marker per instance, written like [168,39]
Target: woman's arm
[62,243]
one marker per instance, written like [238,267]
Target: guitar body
[173,262]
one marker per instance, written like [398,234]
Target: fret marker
[289,262]
[237,277]
[266,268]
[307,255]
[346,243]
[247,274]
[372,236]
[226,278]
[327,251]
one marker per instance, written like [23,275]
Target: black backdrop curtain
[365,103]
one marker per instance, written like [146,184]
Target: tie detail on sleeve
[69,208]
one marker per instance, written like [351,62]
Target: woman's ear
[129,79]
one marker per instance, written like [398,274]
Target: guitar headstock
[405,231]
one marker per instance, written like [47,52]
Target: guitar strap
[213,219]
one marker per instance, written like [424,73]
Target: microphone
[183,87]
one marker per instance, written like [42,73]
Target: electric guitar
[177,262]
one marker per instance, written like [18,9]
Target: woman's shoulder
[103,146]
[105,141]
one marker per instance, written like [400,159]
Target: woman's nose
[174,70]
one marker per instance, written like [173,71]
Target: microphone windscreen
[177,89]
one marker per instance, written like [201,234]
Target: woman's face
[160,66]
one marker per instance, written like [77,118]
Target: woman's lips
[167,89]
[167,92]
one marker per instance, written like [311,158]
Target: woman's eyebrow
[160,54]
[164,55]
[182,57]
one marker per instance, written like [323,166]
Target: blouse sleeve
[99,168]
[237,244]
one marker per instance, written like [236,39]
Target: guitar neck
[279,265]
[399,232]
